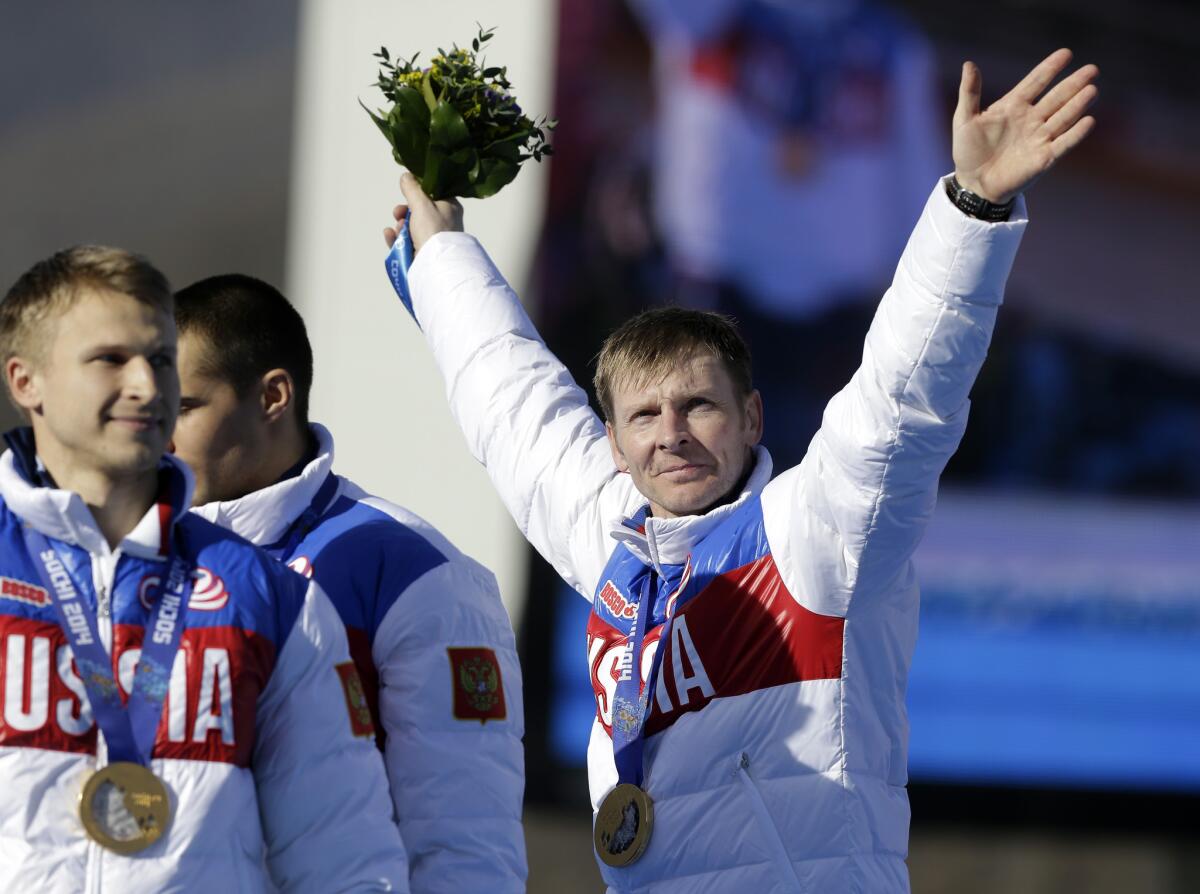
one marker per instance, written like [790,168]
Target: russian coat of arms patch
[356,700]
[478,686]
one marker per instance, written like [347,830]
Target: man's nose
[140,380]
[672,429]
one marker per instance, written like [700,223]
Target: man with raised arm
[174,705]
[751,633]
[430,638]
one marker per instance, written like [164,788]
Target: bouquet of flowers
[455,124]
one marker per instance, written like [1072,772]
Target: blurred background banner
[765,158]
[1059,644]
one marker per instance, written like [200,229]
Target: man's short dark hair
[248,328]
[649,346]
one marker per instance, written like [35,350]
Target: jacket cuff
[960,258]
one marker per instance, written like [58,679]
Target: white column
[375,385]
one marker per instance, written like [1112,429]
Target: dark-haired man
[427,630]
[750,636]
[173,704]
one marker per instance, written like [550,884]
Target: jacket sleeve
[523,416]
[321,790]
[847,519]
[453,746]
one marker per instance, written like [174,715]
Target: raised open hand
[1002,150]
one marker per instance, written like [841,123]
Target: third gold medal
[623,825]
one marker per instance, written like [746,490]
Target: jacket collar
[669,541]
[264,515]
[62,514]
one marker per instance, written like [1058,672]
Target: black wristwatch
[976,206]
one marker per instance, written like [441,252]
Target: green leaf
[380,122]
[507,147]
[494,175]
[450,161]
[408,123]
[430,179]
[448,174]
[447,128]
[462,167]
[427,90]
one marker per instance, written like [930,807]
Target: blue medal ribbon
[399,259]
[129,730]
[631,705]
[282,549]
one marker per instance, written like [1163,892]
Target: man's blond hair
[649,346]
[51,286]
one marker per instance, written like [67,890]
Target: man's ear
[617,455]
[754,418]
[22,381]
[278,394]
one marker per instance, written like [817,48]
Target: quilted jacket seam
[896,439]
[523,521]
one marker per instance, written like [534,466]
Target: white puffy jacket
[269,786]
[423,621]
[778,740]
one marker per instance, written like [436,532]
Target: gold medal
[124,807]
[623,825]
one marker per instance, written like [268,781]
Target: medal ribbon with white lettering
[129,731]
[624,821]
[631,707]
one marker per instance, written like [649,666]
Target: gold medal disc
[623,825]
[124,807]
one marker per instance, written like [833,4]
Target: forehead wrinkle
[639,372]
[688,370]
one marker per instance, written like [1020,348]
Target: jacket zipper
[779,856]
[104,575]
